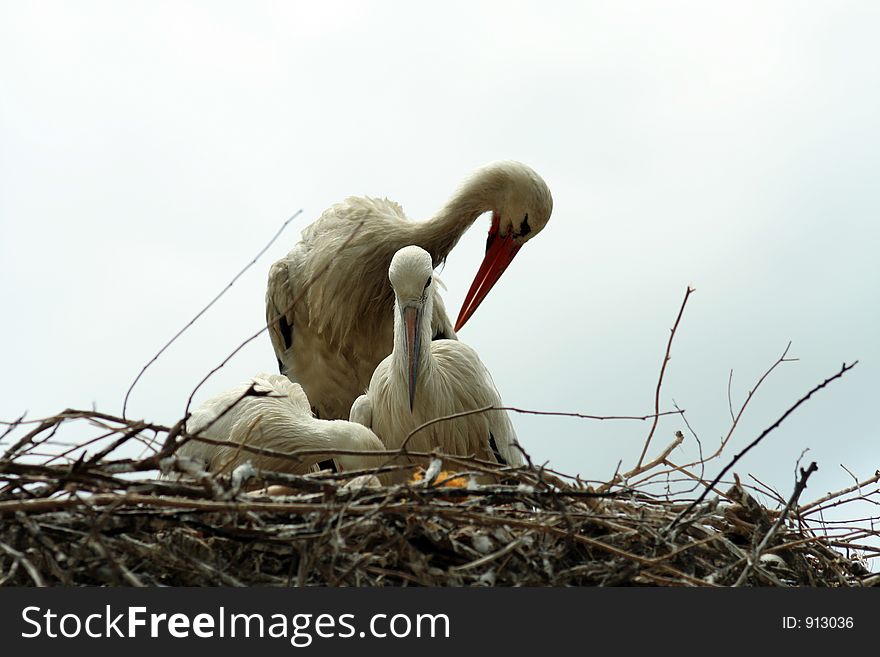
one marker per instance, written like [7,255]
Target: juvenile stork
[423,379]
[276,415]
[329,309]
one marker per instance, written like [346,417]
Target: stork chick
[277,416]
[423,379]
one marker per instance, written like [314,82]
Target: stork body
[276,416]
[423,380]
[329,309]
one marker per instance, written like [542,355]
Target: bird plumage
[448,377]
[329,308]
[271,412]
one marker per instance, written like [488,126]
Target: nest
[83,516]
[85,513]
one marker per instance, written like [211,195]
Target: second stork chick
[272,413]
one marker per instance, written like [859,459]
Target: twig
[843,370]
[769,489]
[205,309]
[679,437]
[23,560]
[730,397]
[11,426]
[293,303]
[830,496]
[756,555]
[513,409]
[172,445]
[726,439]
[660,379]
[699,445]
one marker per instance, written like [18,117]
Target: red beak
[500,252]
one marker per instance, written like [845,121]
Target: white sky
[149,149]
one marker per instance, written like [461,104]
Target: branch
[293,303]
[831,496]
[736,419]
[525,411]
[205,309]
[798,489]
[679,437]
[660,380]
[843,370]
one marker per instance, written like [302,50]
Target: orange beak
[500,252]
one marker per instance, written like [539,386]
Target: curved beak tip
[499,255]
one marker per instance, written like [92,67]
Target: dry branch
[205,309]
[660,379]
[843,370]
[254,336]
[798,489]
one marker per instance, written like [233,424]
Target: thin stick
[730,397]
[726,439]
[830,496]
[677,411]
[843,370]
[660,380]
[23,560]
[513,409]
[626,476]
[205,309]
[253,337]
[799,487]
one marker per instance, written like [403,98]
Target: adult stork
[329,309]
[275,415]
[423,380]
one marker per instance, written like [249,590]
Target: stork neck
[319,434]
[441,233]
[337,434]
[330,434]
[350,436]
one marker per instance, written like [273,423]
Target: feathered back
[354,276]
[272,413]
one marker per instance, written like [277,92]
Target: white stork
[423,379]
[333,337]
[276,416]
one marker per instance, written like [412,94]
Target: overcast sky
[148,150]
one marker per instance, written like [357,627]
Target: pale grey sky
[149,149]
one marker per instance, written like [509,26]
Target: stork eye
[524,228]
[428,282]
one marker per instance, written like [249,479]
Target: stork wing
[503,443]
[279,312]
[362,411]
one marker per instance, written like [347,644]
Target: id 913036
[818,622]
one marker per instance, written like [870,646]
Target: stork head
[521,206]
[412,276]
